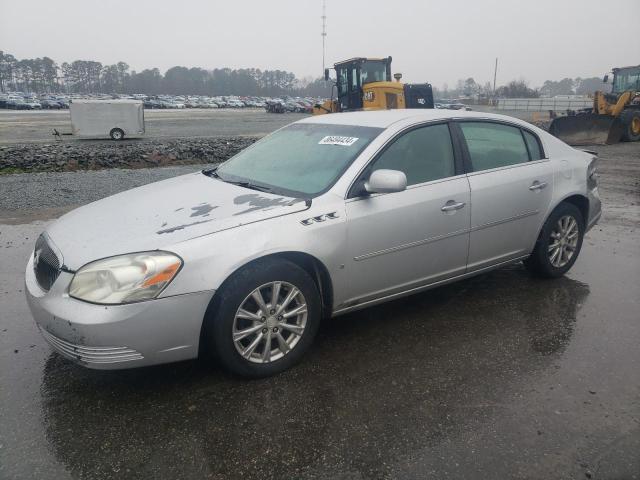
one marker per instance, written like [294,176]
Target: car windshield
[300,160]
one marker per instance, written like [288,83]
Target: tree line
[520,88]
[44,75]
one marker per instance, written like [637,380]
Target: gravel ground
[619,180]
[35,126]
[35,157]
[31,192]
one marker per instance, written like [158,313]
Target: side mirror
[386,181]
[326,74]
[605,79]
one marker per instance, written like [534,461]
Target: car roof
[386,118]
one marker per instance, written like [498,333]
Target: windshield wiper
[213,173]
[250,185]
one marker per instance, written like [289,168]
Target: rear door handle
[537,185]
[452,205]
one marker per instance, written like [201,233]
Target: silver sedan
[327,215]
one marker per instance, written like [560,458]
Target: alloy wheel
[564,241]
[269,322]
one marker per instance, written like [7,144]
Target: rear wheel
[116,134]
[264,318]
[631,122]
[559,243]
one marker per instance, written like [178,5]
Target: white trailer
[107,118]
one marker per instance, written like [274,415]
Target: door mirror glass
[605,79]
[386,181]
[326,74]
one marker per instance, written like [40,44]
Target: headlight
[125,278]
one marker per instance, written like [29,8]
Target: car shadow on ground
[397,375]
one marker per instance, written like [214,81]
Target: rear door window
[533,144]
[494,145]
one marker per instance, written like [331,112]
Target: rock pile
[85,155]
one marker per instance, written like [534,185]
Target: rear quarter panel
[569,171]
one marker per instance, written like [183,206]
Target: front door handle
[452,205]
[537,185]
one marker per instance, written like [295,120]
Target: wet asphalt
[499,376]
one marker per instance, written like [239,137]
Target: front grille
[46,263]
[86,354]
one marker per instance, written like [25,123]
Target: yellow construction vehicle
[365,84]
[615,116]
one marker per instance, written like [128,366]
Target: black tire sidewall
[113,132]
[220,316]
[539,261]
[628,118]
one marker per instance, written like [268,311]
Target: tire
[222,320]
[544,261]
[116,134]
[631,122]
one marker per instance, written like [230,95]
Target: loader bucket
[587,129]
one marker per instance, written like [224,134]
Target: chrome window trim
[509,124]
[509,167]
[458,120]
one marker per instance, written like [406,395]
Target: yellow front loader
[365,84]
[614,117]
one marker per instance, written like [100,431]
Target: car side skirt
[358,305]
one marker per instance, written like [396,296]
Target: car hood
[155,216]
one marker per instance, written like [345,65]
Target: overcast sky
[438,41]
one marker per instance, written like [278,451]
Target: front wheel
[631,121]
[264,318]
[559,243]
[116,134]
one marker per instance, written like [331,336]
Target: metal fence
[544,104]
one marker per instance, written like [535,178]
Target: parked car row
[288,104]
[30,103]
[22,101]
[26,101]
[291,105]
[452,106]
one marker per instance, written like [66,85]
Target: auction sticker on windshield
[337,140]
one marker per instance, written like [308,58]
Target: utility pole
[324,31]
[495,73]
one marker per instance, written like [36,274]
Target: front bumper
[112,337]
